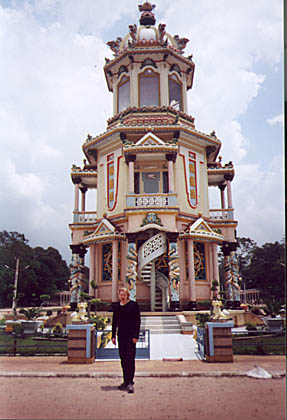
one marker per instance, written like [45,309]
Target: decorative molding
[151,218]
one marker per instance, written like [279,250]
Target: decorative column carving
[191,278]
[235,276]
[92,268]
[115,270]
[171,158]
[130,159]
[231,281]
[77,273]
[222,188]
[173,265]
[131,273]
[215,265]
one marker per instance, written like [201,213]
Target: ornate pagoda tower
[153,230]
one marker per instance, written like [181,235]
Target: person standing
[126,324]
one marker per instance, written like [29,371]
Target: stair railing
[150,250]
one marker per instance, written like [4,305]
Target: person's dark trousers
[127,350]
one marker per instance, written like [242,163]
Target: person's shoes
[130,389]
[123,386]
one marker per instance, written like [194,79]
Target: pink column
[76,202]
[222,188]
[92,268]
[170,176]
[115,260]
[171,157]
[209,265]
[215,263]
[130,160]
[190,253]
[131,177]
[229,196]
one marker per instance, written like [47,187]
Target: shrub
[204,303]
[202,319]
[99,322]
[18,330]
[58,330]
[31,313]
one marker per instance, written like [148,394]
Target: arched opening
[175,92]
[123,93]
[149,89]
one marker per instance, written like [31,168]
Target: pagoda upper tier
[149,68]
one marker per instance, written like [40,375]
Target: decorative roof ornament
[147,17]
[147,35]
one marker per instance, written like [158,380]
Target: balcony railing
[222,214]
[85,216]
[151,200]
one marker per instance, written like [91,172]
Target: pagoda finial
[147,17]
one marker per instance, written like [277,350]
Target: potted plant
[273,322]
[31,324]
[58,330]
[214,288]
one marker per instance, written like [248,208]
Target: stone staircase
[161,324]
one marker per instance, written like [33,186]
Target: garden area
[31,346]
[261,344]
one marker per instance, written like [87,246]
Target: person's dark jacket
[126,320]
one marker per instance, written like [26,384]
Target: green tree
[266,271]
[47,274]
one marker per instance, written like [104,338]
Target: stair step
[161,324]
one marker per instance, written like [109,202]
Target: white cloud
[276,120]
[53,92]
[259,200]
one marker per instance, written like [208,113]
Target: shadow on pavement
[109,388]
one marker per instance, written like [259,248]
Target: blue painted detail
[88,328]
[211,343]
[112,352]
[210,326]
[172,201]
[88,342]
[200,342]
[130,201]
[79,327]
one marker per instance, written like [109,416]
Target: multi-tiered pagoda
[152,230]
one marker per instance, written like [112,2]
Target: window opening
[149,88]
[123,93]
[175,92]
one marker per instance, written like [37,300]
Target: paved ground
[57,365]
[199,398]
[50,388]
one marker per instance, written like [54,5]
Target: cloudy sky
[53,93]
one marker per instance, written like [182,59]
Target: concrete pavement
[57,366]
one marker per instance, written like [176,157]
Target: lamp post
[16,277]
[14,302]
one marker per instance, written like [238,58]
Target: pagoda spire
[147,17]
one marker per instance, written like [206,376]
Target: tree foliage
[41,271]
[260,267]
[266,270]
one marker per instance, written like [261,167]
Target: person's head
[124,294]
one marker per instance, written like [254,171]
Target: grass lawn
[261,345]
[30,346]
